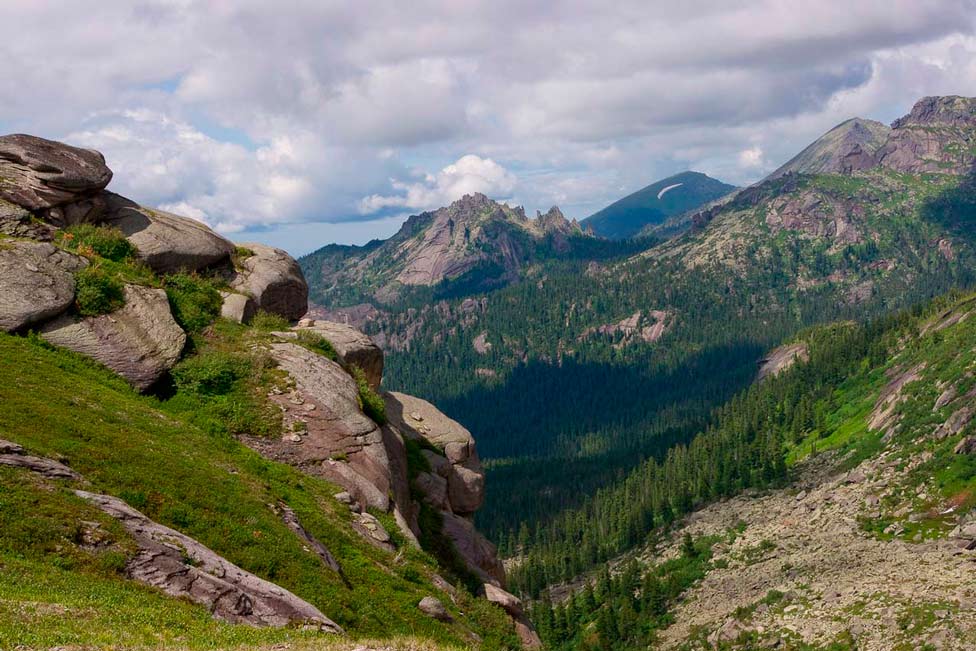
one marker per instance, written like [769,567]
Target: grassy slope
[208,486]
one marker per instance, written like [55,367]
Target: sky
[301,123]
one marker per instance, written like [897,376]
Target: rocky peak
[851,145]
[553,220]
[953,111]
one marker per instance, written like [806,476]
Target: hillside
[654,204]
[186,463]
[474,244]
[858,531]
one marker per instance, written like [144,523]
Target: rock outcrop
[461,468]
[935,137]
[328,434]
[354,347]
[167,243]
[850,146]
[782,358]
[38,174]
[274,280]
[14,456]
[182,567]
[513,606]
[36,282]
[139,341]
[237,307]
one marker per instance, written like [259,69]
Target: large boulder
[354,347]
[38,174]
[237,307]
[274,280]
[418,419]
[140,341]
[167,243]
[36,282]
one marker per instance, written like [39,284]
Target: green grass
[194,300]
[369,401]
[206,485]
[317,344]
[97,291]
[103,241]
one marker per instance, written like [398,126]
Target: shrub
[194,300]
[268,321]
[210,374]
[317,344]
[97,291]
[103,241]
[369,401]
[242,252]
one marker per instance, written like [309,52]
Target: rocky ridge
[473,233]
[53,186]
[46,186]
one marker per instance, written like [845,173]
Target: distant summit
[851,145]
[655,203]
[475,241]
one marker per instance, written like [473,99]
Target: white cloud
[751,158]
[254,114]
[468,175]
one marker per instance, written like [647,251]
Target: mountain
[655,203]
[475,243]
[184,465]
[636,351]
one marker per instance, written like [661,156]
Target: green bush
[317,344]
[210,374]
[268,321]
[194,300]
[369,401]
[103,241]
[97,291]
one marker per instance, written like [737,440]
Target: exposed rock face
[36,283]
[139,341]
[168,243]
[330,435]
[782,358]
[476,238]
[418,419]
[850,146]
[354,347]
[16,222]
[37,174]
[935,137]
[635,328]
[274,280]
[182,567]
[513,606]
[480,555]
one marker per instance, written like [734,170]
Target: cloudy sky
[301,123]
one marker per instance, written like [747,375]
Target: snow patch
[670,187]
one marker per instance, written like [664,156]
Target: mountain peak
[851,145]
[655,203]
[950,110]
